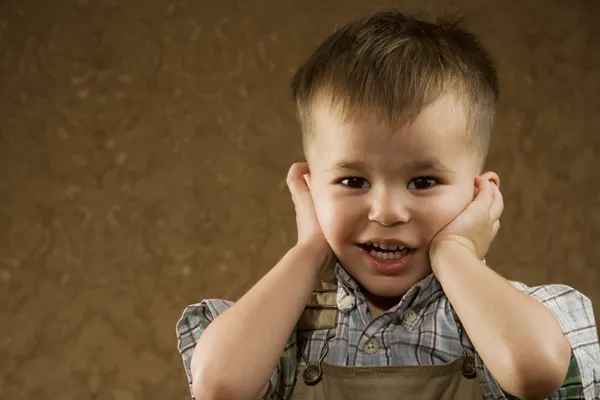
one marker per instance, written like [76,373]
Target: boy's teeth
[388,255]
[386,246]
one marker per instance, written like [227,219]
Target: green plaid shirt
[428,336]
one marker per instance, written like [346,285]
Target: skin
[368,181]
[421,185]
[450,223]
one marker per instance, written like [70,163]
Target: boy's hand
[309,229]
[477,225]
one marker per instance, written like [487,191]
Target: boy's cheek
[327,215]
[335,222]
[444,212]
[323,209]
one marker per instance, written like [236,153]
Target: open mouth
[384,251]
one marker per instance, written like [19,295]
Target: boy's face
[396,188]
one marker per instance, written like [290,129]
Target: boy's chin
[386,287]
[393,287]
[385,291]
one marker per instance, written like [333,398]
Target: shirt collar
[421,293]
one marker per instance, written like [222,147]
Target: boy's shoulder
[559,297]
[575,314]
[195,319]
[573,310]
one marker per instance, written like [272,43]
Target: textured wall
[143,151]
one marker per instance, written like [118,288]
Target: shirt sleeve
[196,318]
[283,380]
[574,313]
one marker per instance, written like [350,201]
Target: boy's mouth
[385,251]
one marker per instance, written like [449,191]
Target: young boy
[396,115]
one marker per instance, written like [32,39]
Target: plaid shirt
[420,330]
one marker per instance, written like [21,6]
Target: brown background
[143,151]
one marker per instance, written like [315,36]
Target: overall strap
[321,310]
[468,366]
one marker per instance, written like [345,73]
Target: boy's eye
[354,182]
[422,183]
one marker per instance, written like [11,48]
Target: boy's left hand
[477,225]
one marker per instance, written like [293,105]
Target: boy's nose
[388,209]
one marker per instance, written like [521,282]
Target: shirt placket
[371,349]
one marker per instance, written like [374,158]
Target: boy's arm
[518,338]
[194,321]
[238,352]
[575,315]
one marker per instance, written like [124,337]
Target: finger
[495,228]
[497,205]
[476,191]
[295,177]
[485,196]
[297,170]
[297,184]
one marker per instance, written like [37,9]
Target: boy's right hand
[309,229]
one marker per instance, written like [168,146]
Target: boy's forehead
[437,131]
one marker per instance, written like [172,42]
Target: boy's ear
[492,177]
[307,179]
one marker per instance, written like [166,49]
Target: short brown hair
[392,65]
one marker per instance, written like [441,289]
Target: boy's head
[396,115]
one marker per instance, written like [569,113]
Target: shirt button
[371,346]
[409,317]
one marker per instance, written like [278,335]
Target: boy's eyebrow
[428,164]
[350,165]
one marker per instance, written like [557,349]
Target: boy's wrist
[443,253]
[451,243]
[318,250]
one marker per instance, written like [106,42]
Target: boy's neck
[377,305]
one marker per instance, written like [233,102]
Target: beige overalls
[318,380]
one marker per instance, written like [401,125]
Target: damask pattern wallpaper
[143,152]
